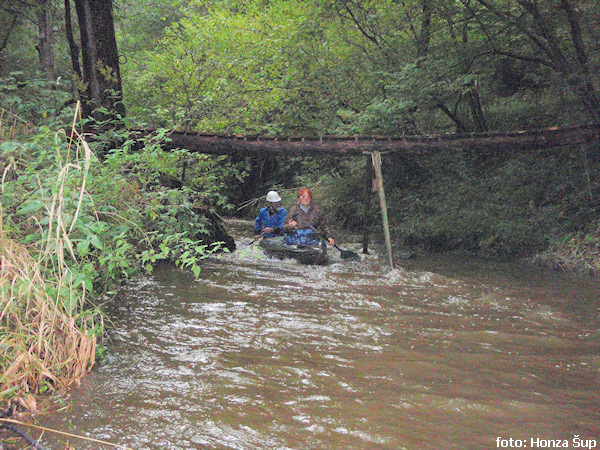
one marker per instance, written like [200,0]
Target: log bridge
[373,147]
[356,145]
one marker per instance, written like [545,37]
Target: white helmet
[273,197]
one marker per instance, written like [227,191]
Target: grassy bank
[72,229]
[48,339]
[575,253]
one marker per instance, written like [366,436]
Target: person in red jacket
[305,222]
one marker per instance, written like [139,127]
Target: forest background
[83,214]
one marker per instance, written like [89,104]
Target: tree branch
[4,41]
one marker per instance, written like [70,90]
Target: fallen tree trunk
[344,146]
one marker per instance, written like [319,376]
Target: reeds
[44,346]
[577,253]
[48,331]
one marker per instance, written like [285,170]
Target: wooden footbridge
[373,147]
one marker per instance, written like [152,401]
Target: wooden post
[368,186]
[386,228]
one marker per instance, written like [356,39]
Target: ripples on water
[259,353]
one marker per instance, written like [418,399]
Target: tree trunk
[589,94]
[73,50]
[44,46]
[519,140]
[479,121]
[460,126]
[102,87]
[424,38]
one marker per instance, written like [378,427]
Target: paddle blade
[349,255]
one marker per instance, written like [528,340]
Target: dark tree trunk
[588,92]
[44,46]
[424,37]
[73,49]
[479,121]
[521,140]
[102,88]
[460,126]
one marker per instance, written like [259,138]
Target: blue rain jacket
[265,220]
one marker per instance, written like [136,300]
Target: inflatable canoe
[305,254]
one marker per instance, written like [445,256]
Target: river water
[266,354]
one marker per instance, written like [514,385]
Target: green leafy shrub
[75,227]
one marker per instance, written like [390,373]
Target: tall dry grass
[11,125]
[48,331]
[43,347]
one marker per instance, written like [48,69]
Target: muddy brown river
[265,354]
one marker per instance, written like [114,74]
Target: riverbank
[579,254]
[72,229]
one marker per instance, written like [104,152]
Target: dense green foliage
[118,214]
[342,67]
[73,227]
[375,67]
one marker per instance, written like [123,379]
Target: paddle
[348,254]
[257,238]
[344,254]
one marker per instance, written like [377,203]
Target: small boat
[305,254]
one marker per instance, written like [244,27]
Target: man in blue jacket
[270,219]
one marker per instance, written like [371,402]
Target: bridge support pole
[386,228]
[368,189]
